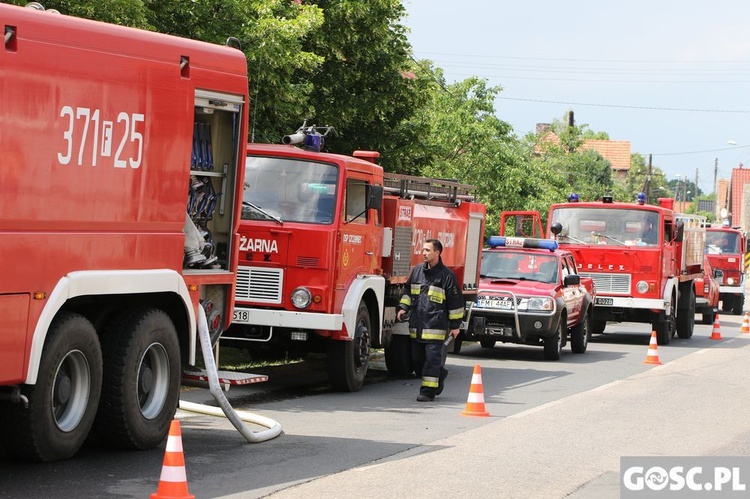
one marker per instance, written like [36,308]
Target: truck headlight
[301,298]
[540,303]
[731,281]
[642,287]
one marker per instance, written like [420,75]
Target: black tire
[398,356]
[581,334]
[665,326]
[738,304]
[553,344]
[63,402]
[458,342]
[686,318]
[598,326]
[709,316]
[487,342]
[348,360]
[142,376]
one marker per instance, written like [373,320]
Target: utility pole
[695,194]
[648,180]
[716,189]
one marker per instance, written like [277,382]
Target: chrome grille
[259,284]
[610,283]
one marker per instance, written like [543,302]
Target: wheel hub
[63,389]
[362,345]
[146,380]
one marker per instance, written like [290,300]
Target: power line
[616,61]
[691,110]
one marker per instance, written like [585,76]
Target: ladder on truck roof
[407,186]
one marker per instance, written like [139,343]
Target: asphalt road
[556,429]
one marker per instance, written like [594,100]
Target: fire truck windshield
[290,190]
[610,226]
[722,242]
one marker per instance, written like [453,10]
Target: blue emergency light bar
[522,242]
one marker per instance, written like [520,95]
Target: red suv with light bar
[530,293]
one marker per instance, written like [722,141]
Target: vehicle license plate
[241,316]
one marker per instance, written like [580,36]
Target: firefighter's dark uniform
[436,305]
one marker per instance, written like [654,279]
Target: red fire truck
[643,259]
[327,242]
[122,159]
[725,249]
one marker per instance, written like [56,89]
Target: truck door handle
[368,252]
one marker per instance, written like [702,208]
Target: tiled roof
[616,151]
[740,177]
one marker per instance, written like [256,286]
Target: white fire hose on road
[225,408]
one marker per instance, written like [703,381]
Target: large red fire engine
[643,259]
[327,242]
[122,158]
[725,249]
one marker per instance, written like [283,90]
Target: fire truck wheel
[348,360]
[398,356]
[709,316]
[553,344]
[598,326]
[686,318]
[141,379]
[454,348]
[579,339]
[62,404]
[487,342]
[738,304]
[665,326]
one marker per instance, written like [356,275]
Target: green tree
[124,12]
[271,33]
[365,86]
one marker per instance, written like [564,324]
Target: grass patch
[232,358]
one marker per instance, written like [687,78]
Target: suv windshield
[518,265]
[289,190]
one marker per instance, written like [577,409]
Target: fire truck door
[358,249]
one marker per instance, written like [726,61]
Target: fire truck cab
[327,242]
[642,258]
[726,248]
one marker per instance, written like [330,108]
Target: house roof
[616,151]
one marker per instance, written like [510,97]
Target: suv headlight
[301,298]
[538,303]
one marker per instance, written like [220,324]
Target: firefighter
[437,307]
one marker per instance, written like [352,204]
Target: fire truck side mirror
[374,197]
[680,226]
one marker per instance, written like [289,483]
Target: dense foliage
[348,64]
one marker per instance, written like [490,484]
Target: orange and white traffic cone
[652,357]
[173,480]
[475,402]
[716,332]
[745,328]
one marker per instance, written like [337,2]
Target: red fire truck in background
[725,249]
[115,144]
[643,259]
[327,243]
